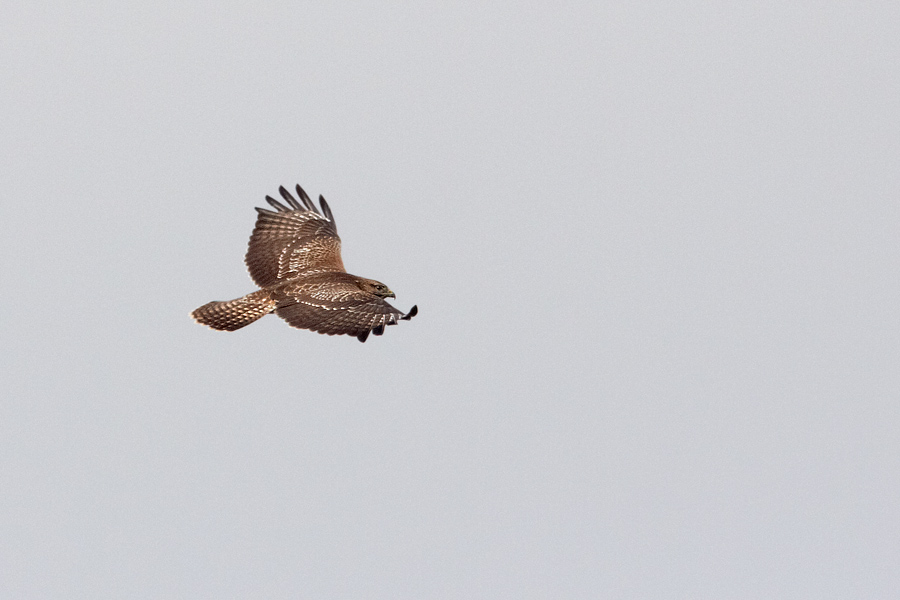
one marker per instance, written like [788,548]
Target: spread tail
[234,314]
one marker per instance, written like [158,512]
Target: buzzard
[295,257]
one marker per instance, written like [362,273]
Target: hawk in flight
[295,257]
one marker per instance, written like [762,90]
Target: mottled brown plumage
[295,257]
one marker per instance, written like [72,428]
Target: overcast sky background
[654,249]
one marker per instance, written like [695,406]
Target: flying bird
[294,256]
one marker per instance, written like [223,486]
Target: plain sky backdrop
[655,250]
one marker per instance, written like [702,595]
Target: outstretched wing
[337,308]
[288,242]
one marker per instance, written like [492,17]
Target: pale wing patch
[310,255]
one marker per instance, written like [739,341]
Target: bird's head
[377,288]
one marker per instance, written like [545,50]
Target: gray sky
[654,249]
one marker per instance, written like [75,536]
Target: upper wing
[337,308]
[293,241]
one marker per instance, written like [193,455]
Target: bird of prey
[295,258]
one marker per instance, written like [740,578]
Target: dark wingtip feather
[290,199]
[326,210]
[412,312]
[362,337]
[276,204]
[378,330]
[265,211]
[305,198]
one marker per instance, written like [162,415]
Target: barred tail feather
[234,314]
